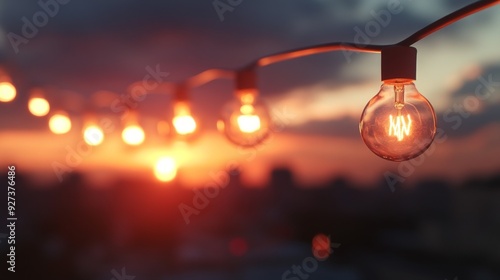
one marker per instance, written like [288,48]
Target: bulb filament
[399,126]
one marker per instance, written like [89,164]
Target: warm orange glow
[165,169]
[38,106]
[248,122]
[7,92]
[133,135]
[321,246]
[93,135]
[183,121]
[221,126]
[60,123]
[399,127]
[184,124]
[163,128]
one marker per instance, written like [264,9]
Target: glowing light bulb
[184,124]
[398,123]
[60,123]
[38,106]
[93,135]
[245,122]
[7,92]
[165,169]
[133,135]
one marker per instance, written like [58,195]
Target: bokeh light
[7,92]
[321,246]
[38,106]
[249,123]
[165,169]
[93,135]
[184,124]
[133,135]
[60,123]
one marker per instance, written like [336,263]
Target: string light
[183,121]
[93,135]
[245,121]
[397,124]
[133,135]
[7,92]
[165,169]
[37,104]
[60,123]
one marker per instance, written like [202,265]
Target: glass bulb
[245,122]
[398,123]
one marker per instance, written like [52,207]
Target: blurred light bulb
[38,106]
[165,169]
[60,123]
[184,124]
[133,135]
[93,135]
[7,92]
[398,123]
[245,121]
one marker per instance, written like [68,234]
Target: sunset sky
[95,46]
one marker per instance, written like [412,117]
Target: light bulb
[133,135]
[7,92]
[93,135]
[38,106]
[165,169]
[183,122]
[245,122]
[248,122]
[398,123]
[60,123]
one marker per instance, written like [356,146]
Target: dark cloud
[481,94]
[487,84]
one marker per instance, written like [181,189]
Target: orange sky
[453,158]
